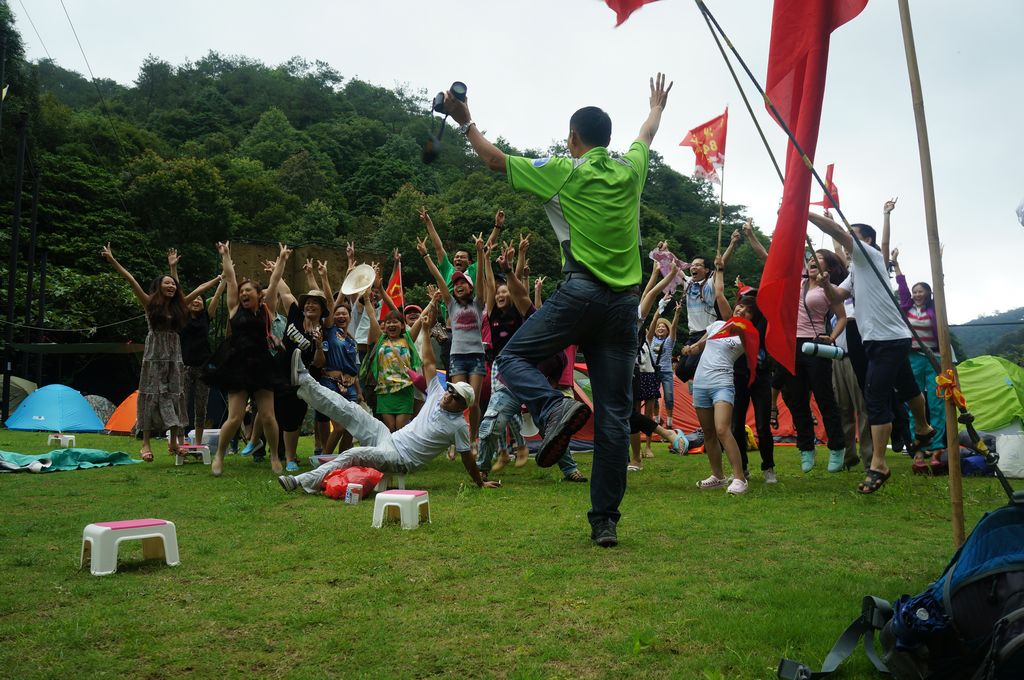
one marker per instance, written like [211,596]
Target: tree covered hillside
[230,148]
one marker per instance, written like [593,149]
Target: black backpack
[967,625]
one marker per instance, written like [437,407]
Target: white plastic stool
[192,450]
[385,482]
[101,540]
[64,441]
[411,507]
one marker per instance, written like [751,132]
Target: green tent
[994,388]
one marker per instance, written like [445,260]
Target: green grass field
[503,584]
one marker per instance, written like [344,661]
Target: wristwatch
[465,128]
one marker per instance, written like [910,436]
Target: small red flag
[394,291]
[737,325]
[797,61]
[708,144]
[623,8]
[830,188]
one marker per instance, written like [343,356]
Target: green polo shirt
[593,203]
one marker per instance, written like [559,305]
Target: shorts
[707,397]
[888,371]
[289,411]
[396,403]
[467,364]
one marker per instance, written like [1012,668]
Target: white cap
[464,390]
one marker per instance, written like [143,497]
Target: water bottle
[815,349]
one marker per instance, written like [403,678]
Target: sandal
[574,476]
[773,420]
[633,468]
[920,441]
[874,481]
[147,455]
[680,444]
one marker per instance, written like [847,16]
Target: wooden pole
[956,492]
[721,205]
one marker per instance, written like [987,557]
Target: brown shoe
[502,461]
[522,457]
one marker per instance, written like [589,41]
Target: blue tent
[56,408]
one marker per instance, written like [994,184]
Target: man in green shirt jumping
[593,203]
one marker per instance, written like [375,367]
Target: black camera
[458,90]
[432,147]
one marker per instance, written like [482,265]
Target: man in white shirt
[439,425]
[886,340]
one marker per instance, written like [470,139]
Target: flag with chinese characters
[623,8]
[708,144]
[744,328]
[797,62]
[394,291]
[830,188]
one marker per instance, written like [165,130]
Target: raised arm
[499,224]
[172,263]
[275,278]
[325,280]
[675,323]
[482,264]
[659,98]
[228,273]
[887,209]
[724,308]
[734,242]
[648,300]
[429,317]
[755,243]
[211,309]
[140,294]
[374,334]
[491,155]
[215,281]
[521,259]
[538,289]
[906,299]
[432,233]
[420,323]
[833,229]
[442,285]
[307,270]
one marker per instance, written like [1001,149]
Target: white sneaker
[297,368]
[737,487]
[769,476]
[713,482]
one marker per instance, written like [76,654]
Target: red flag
[797,60]
[708,144]
[830,188]
[623,8]
[737,325]
[394,291]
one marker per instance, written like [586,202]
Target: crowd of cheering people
[369,369]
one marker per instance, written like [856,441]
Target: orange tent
[122,421]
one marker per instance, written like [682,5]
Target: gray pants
[376,449]
[852,411]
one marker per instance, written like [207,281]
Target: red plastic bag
[337,481]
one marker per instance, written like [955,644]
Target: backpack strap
[875,612]
[1007,642]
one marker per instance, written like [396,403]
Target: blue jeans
[604,325]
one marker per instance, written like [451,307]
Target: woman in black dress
[245,367]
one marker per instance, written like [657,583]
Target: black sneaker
[565,420]
[603,533]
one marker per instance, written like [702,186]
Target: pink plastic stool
[100,542]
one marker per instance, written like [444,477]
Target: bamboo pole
[721,206]
[938,280]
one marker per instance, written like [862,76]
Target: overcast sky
[530,63]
